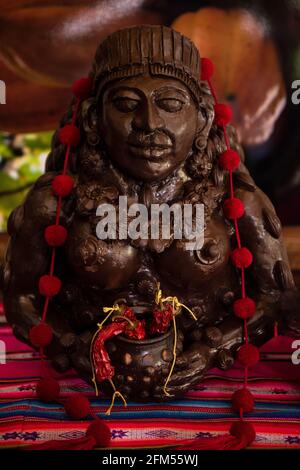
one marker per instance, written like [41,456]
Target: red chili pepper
[127,312]
[135,330]
[161,320]
[102,365]
[138,332]
[104,370]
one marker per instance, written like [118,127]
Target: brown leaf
[271,223]
[243,180]
[283,275]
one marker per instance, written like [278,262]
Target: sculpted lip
[152,145]
[149,152]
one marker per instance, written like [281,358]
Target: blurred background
[255,44]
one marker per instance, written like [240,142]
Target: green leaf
[40,141]
[21,171]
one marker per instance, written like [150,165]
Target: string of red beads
[241,258]
[76,406]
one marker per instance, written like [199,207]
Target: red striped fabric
[204,412]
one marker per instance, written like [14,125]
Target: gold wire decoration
[115,395]
[159,299]
[176,307]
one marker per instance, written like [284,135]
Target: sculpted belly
[191,269]
[109,265]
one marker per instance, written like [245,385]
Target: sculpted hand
[190,367]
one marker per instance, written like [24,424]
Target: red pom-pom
[248,355]
[69,135]
[207,69]
[62,185]
[77,406]
[244,308]
[233,208]
[99,431]
[81,88]
[49,285]
[41,335]
[55,235]
[223,114]
[243,430]
[241,257]
[47,389]
[242,399]
[229,160]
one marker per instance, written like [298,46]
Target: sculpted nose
[148,118]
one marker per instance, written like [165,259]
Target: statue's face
[148,125]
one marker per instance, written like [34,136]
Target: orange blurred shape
[247,70]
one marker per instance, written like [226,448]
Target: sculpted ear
[90,121]
[204,123]
[89,115]
[205,120]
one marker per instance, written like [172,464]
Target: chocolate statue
[148,133]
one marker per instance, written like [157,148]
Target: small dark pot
[140,365]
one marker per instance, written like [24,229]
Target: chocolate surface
[147,132]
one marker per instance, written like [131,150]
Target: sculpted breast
[109,265]
[191,269]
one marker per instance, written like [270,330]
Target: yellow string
[110,310]
[159,299]
[158,295]
[115,395]
[92,364]
[174,354]
[122,317]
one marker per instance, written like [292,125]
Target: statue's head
[149,108]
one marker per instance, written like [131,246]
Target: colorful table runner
[204,412]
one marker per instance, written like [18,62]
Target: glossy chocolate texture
[148,133]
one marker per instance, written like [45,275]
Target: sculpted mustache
[142,138]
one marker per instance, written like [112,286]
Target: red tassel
[97,435]
[82,88]
[223,114]
[242,434]
[47,389]
[77,406]
[229,160]
[241,257]
[233,208]
[207,69]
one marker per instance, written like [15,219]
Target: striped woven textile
[204,412]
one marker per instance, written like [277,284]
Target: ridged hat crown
[147,49]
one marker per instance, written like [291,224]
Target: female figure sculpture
[148,133]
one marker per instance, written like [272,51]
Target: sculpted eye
[172,105]
[125,105]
